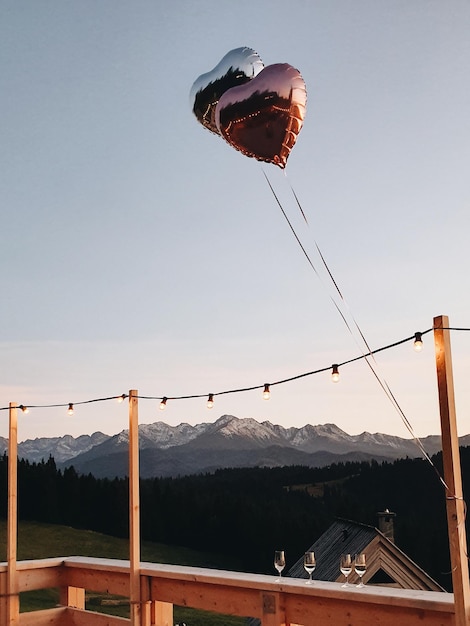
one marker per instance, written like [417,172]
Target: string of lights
[416,337]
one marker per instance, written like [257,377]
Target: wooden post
[134,511]
[154,612]
[452,472]
[161,614]
[72,596]
[274,613]
[13,601]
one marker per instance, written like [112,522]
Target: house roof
[342,536]
[346,536]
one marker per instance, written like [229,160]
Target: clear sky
[140,251]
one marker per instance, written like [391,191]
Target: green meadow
[38,541]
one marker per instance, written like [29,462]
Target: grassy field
[38,541]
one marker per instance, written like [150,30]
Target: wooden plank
[66,616]
[134,510]
[89,563]
[47,617]
[73,597]
[13,600]
[161,614]
[327,612]
[90,618]
[452,473]
[52,562]
[30,580]
[3,596]
[116,583]
[217,598]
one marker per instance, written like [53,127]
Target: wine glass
[360,567]
[345,567]
[279,562]
[309,565]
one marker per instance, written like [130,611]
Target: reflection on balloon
[263,117]
[236,68]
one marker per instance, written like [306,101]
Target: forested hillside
[251,512]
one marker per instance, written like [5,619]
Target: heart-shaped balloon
[236,68]
[263,117]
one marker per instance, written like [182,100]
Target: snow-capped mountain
[162,435]
[228,442]
[61,448]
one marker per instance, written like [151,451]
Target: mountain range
[228,442]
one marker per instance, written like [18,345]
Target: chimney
[386,524]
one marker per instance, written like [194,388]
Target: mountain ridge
[230,441]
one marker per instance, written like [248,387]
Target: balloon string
[367,354]
[298,203]
[330,274]
[302,247]
[316,245]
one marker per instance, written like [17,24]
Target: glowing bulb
[70,409]
[163,404]
[418,342]
[210,401]
[335,373]
[121,398]
[24,408]
[266,392]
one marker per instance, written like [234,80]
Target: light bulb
[418,342]
[266,392]
[70,409]
[121,398]
[210,401]
[163,404]
[24,408]
[335,373]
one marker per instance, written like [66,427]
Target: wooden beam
[68,616]
[452,472]
[48,617]
[37,577]
[134,510]
[116,583]
[237,593]
[13,602]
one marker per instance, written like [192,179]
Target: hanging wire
[302,246]
[282,381]
[367,353]
[363,356]
[120,397]
[266,386]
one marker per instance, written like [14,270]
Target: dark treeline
[249,513]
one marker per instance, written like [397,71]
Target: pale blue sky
[141,251]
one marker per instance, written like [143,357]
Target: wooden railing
[162,586]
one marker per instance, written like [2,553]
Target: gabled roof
[341,537]
[383,556]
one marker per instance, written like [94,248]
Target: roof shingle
[343,536]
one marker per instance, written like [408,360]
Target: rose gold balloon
[236,68]
[263,117]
